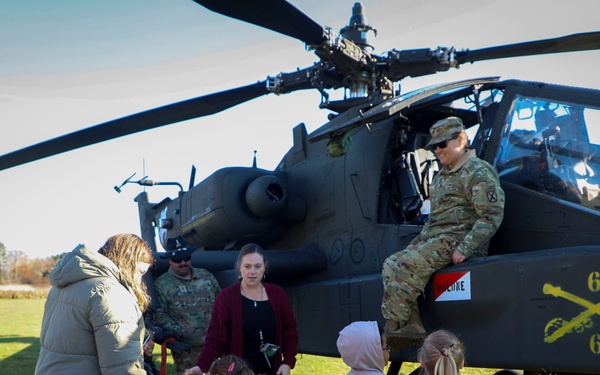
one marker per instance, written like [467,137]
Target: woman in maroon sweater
[253,320]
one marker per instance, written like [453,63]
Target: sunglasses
[179,260]
[443,144]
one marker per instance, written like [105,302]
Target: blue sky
[79,36]
[68,64]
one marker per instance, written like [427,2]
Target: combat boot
[411,334]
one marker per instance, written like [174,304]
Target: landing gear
[394,368]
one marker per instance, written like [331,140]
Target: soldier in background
[185,297]
[467,207]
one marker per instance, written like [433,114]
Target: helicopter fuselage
[328,223]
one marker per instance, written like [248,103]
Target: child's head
[442,353]
[387,350]
[148,344]
[230,365]
[363,347]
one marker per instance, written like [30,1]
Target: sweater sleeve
[289,331]
[217,335]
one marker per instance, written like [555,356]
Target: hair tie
[231,368]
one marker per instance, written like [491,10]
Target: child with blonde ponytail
[442,353]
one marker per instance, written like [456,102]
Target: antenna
[118,188]
[192,177]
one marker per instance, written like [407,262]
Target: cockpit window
[553,148]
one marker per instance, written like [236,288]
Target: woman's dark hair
[230,365]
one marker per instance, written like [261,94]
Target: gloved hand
[179,347]
[160,334]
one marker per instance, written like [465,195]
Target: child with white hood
[363,348]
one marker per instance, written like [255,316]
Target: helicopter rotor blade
[276,15]
[569,43]
[153,118]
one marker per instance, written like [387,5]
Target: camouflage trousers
[406,273]
[185,360]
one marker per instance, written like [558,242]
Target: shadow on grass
[21,361]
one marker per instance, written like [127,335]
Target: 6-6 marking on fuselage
[558,327]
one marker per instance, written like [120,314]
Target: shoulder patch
[492,196]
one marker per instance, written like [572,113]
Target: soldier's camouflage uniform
[467,207]
[184,308]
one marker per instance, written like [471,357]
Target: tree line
[17,268]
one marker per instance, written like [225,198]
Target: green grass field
[20,331]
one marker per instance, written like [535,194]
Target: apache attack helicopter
[355,190]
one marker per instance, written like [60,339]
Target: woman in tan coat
[93,315]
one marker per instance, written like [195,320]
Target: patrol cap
[445,129]
[176,249]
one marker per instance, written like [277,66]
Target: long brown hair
[125,250]
[442,353]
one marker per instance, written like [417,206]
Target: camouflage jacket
[185,306]
[467,204]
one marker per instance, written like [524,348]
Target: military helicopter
[355,190]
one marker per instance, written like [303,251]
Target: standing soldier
[467,207]
[185,296]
